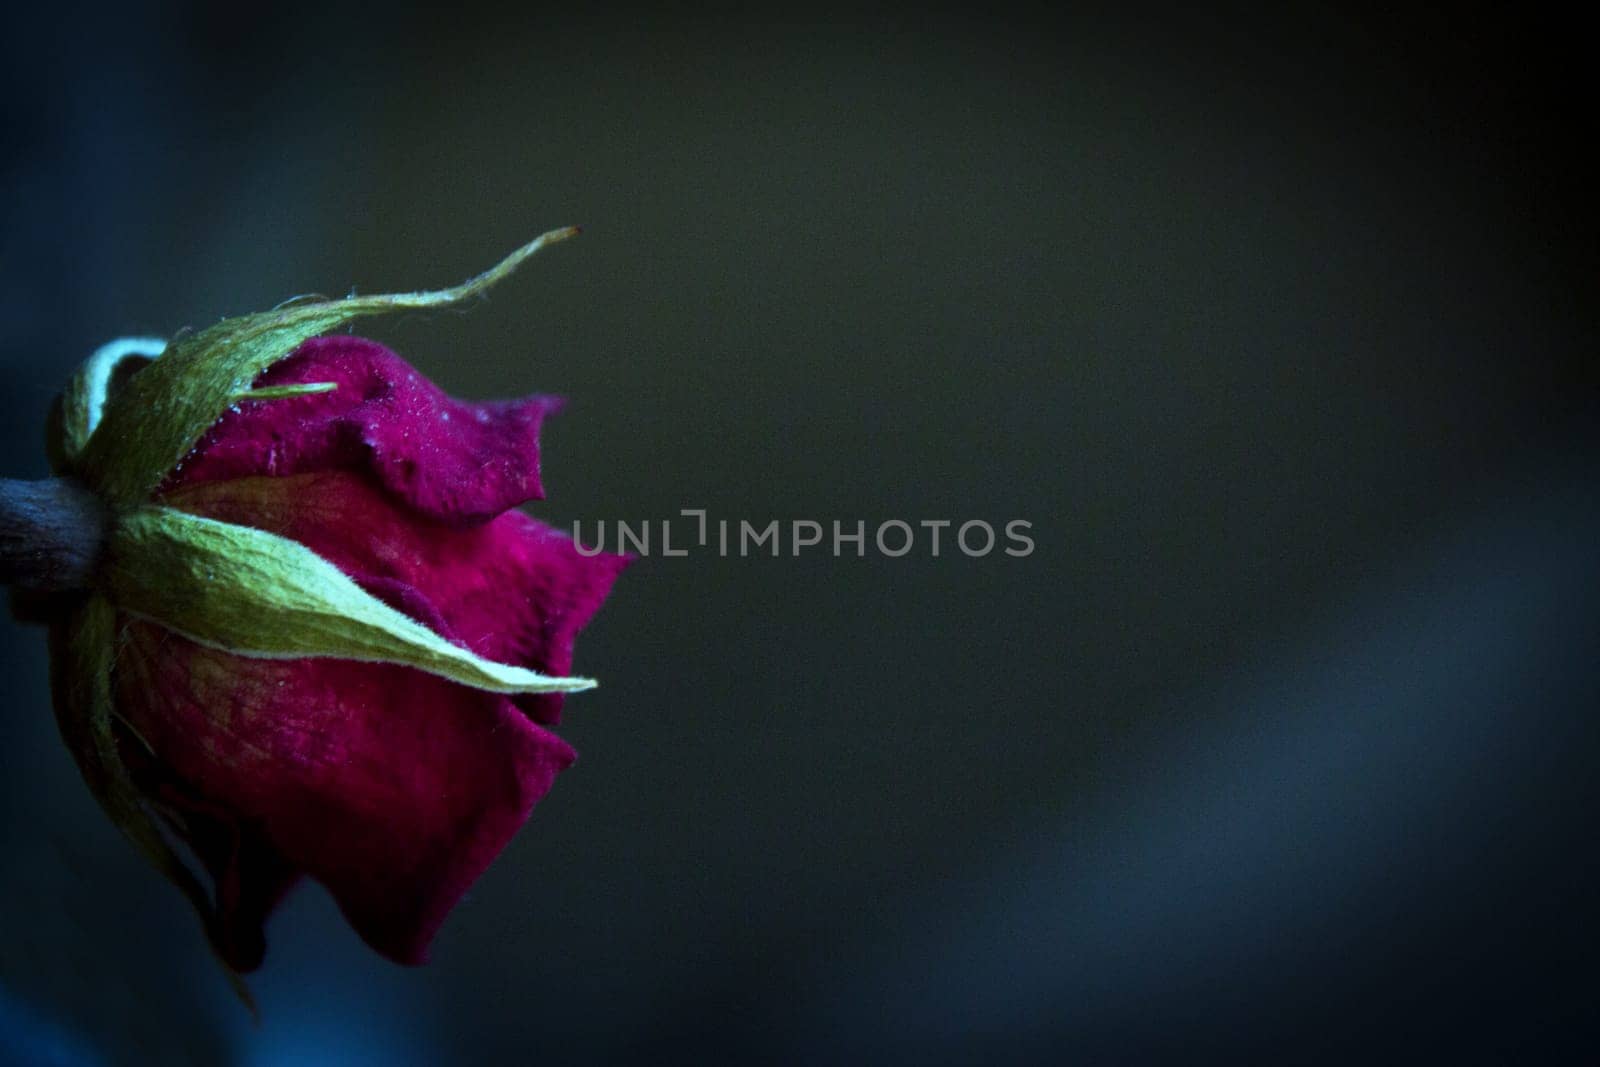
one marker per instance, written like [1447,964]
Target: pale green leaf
[160,416]
[286,392]
[254,593]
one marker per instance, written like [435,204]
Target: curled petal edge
[153,422]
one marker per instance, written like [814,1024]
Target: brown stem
[51,534]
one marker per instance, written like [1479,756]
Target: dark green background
[1280,333]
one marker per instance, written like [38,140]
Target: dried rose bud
[314,636]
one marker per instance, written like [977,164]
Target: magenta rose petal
[560,590]
[511,590]
[454,461]
[393,788]
[249,874]
[222,542]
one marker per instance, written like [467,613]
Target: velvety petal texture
[453,461]
[392,787]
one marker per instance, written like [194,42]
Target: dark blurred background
[1280,332]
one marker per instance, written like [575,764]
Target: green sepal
[253,593]
[159,416]
[83,655]
[286,392]
[78,409]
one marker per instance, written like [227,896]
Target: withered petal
[393,788]
[454,461]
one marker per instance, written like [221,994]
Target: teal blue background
[1280,332]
